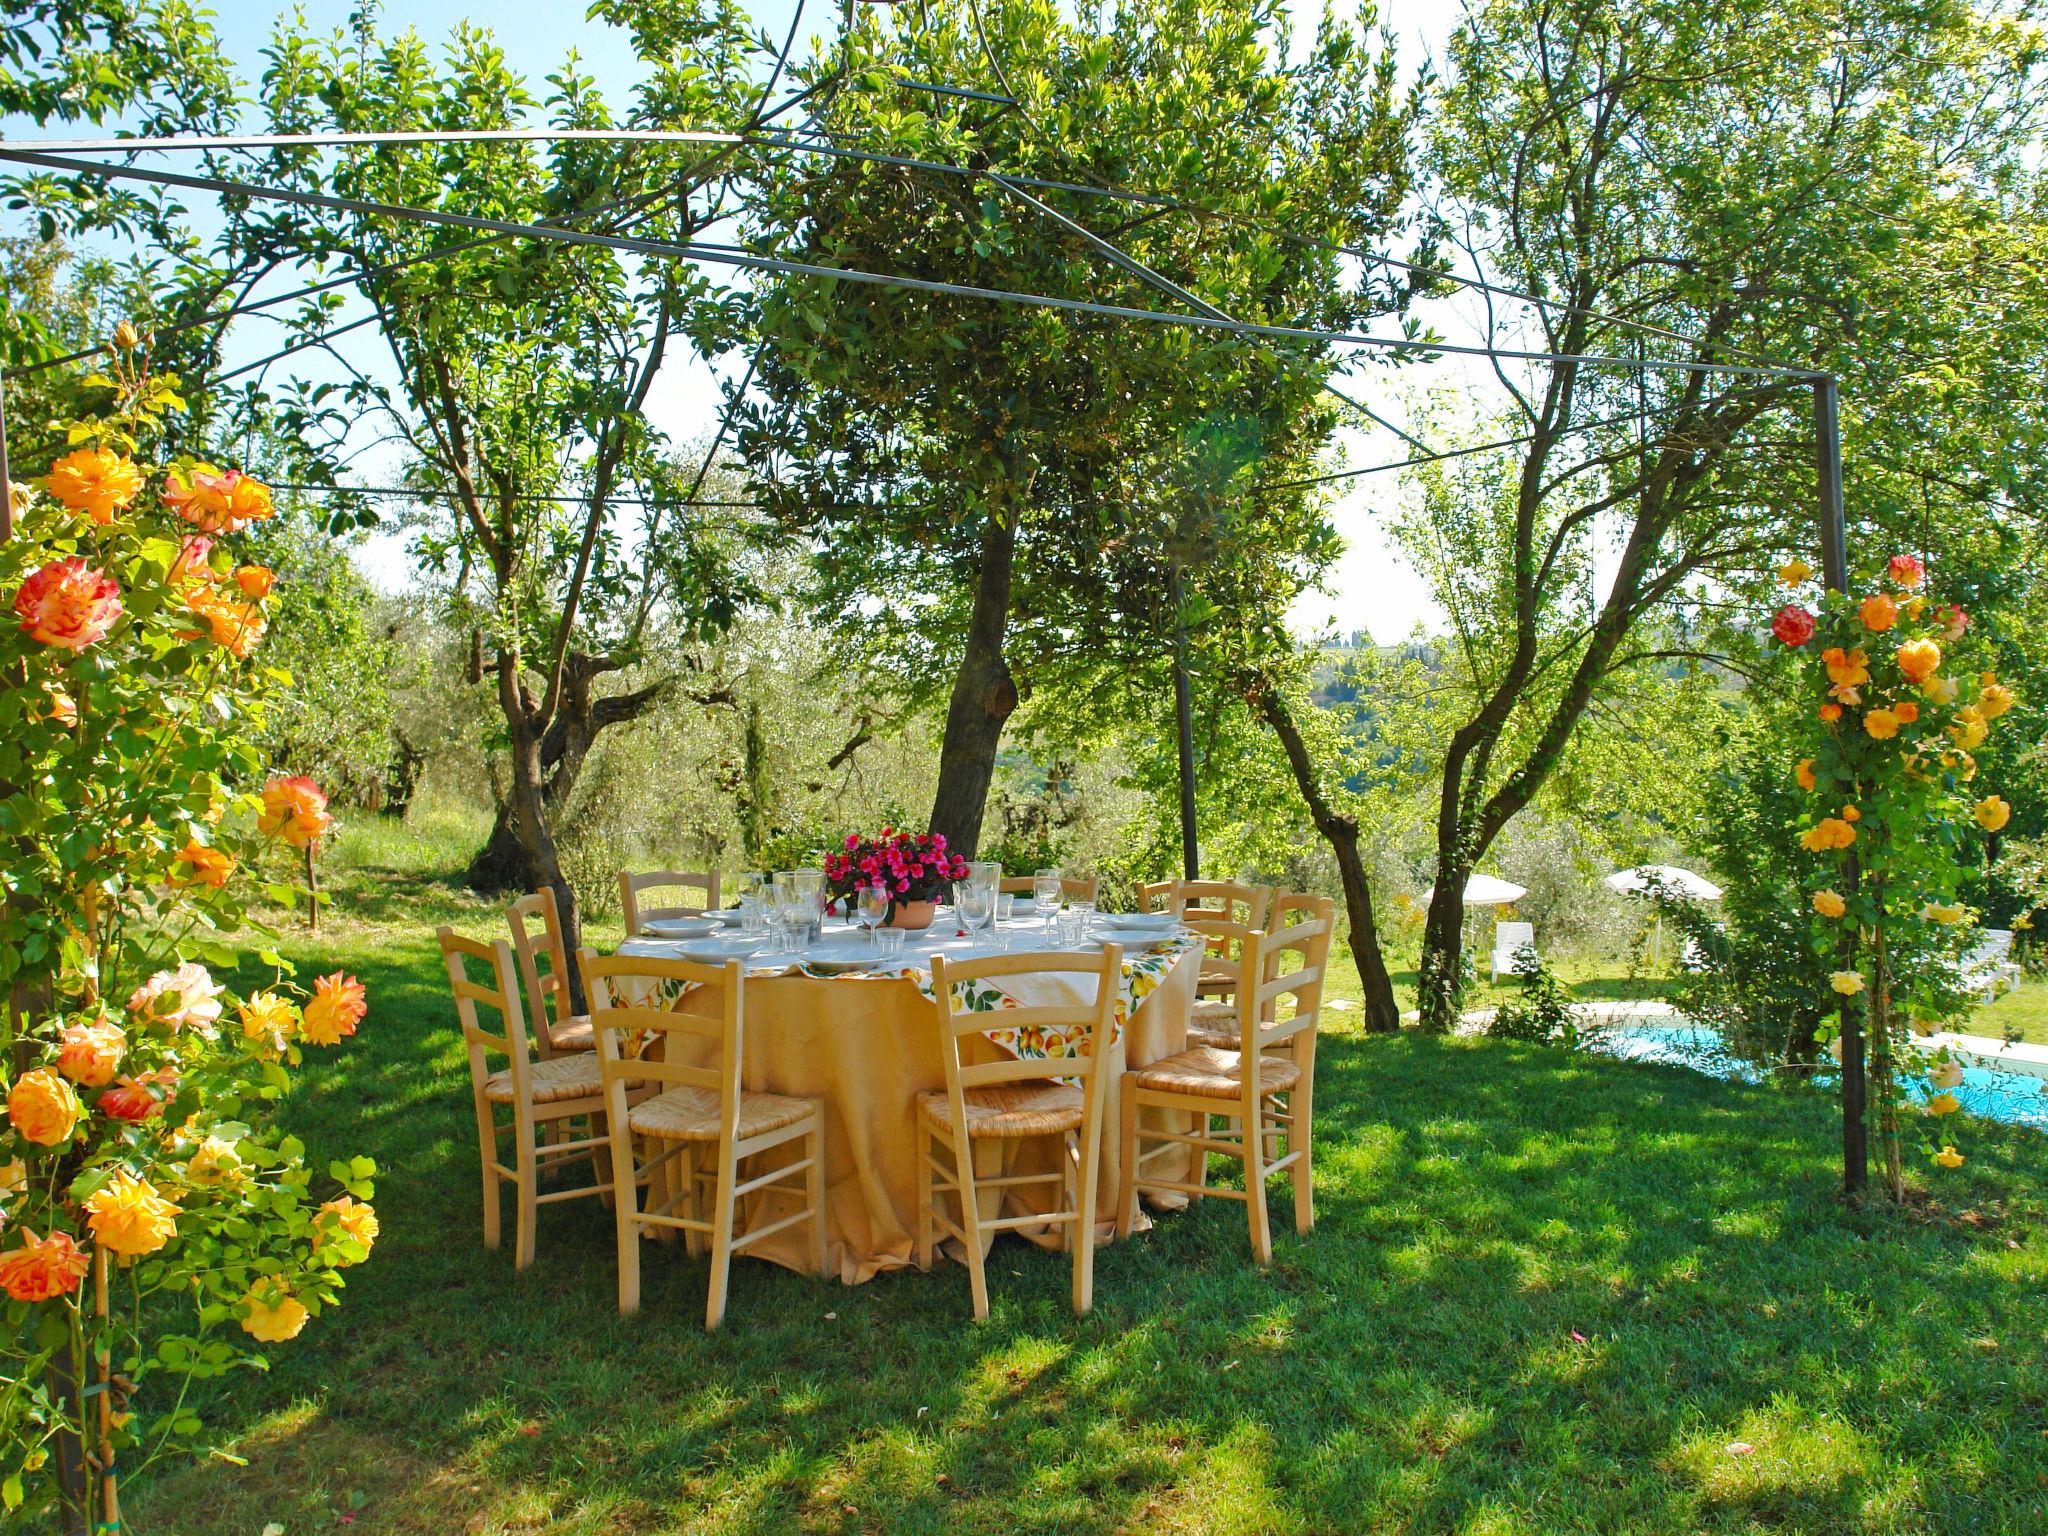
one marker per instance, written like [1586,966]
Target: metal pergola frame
[56,155]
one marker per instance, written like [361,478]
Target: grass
[2020,1014]
[1546,1293]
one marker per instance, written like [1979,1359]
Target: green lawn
[2021,1014]
[1547,1293]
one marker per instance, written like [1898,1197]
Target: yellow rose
[129,1217]
[1881,724]
[346,1217]
[1794,571]
[274,1313]
[1946,913]
[1940,690]
[1949,1157]
[1993,813]
[1994,701]
[1969,730]
[215,1162]
[1829,904]
[42,1107]
[1919,660]
[1947,1074]
[197,864]
[1943,1104]
[270,1019]
[1831,832]
[95,481]
[1848,983]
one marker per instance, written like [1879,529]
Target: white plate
[836,956]
[729,918]
[719,950]
[681,927]
[1137,922]
[1139,943]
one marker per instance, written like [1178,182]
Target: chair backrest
[631,886]
[1096,1018]
[1156,896]
[711,1008]
[500,993]
[1072,887]
[1289,962]
[1222,900]
[1508,938]
[547,992]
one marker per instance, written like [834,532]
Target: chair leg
[814,1187]
[721,1240]
[1198,1157]
[1127,1148]
[970,1218]
[927,1192]
[1299,1140]
[679,1177]
[1254,1143]
[602,1164]
[625,1213]
[487,1135]
[529,1195]
[1081,1231]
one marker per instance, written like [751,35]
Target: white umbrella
[1681,882]
[1489,891]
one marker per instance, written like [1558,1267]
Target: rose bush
[154,1221]
[1894,709]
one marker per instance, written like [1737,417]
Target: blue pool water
[2013,1097]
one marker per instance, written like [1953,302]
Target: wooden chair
[1014,1098]
[1156,896]
[704,1121]
[631,886]
[1211,907]
[1264,1090]
[1072,888]
[556,1031]
[543,1096]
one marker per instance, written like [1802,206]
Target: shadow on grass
[1545,1292]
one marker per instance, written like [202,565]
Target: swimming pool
[2014,1097]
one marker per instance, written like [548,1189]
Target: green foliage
[1541,1011]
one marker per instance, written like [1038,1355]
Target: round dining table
[864,1037]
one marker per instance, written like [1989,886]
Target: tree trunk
[984,697]
[1382,1013]
[528,804]
[1442,983]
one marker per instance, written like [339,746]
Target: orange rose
[1850,813]
[1919,660]
[1830,713]
[130,1099]
[1831,832]
[1878,612]
[1846,668]
[236,626]
[42,1108]
[192,563]
[255,581]
[1907,711]
[344,1217]
[69,604]
[294,809]
[1829,904]
[43,1267]
[197,864]
[90,1052]
[1803,775]
[1882,724]
[129,1217]
[95,481]
[334,1010]
[1993,813]
[217,503]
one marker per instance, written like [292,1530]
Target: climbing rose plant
[1897,708]
[156,1227]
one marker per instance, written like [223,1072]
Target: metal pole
[6,475]
[1834,561]
[1184,719]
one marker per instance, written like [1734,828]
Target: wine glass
[1045,890]
[872,907]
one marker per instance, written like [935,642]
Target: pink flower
[852,841]
[938,840]
[69,604]
[1907,571]
[1793,625]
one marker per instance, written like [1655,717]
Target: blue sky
[1371,587]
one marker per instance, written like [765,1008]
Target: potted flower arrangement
[911,869]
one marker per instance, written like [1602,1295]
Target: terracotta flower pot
[913,915]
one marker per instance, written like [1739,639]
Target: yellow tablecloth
[867,1046]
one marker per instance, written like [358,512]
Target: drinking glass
[1070,926]
[1045,890]
[1005,904]
[810,884]
[889,943]
[872,907]
[976,904]
[989,874]
[793,909]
